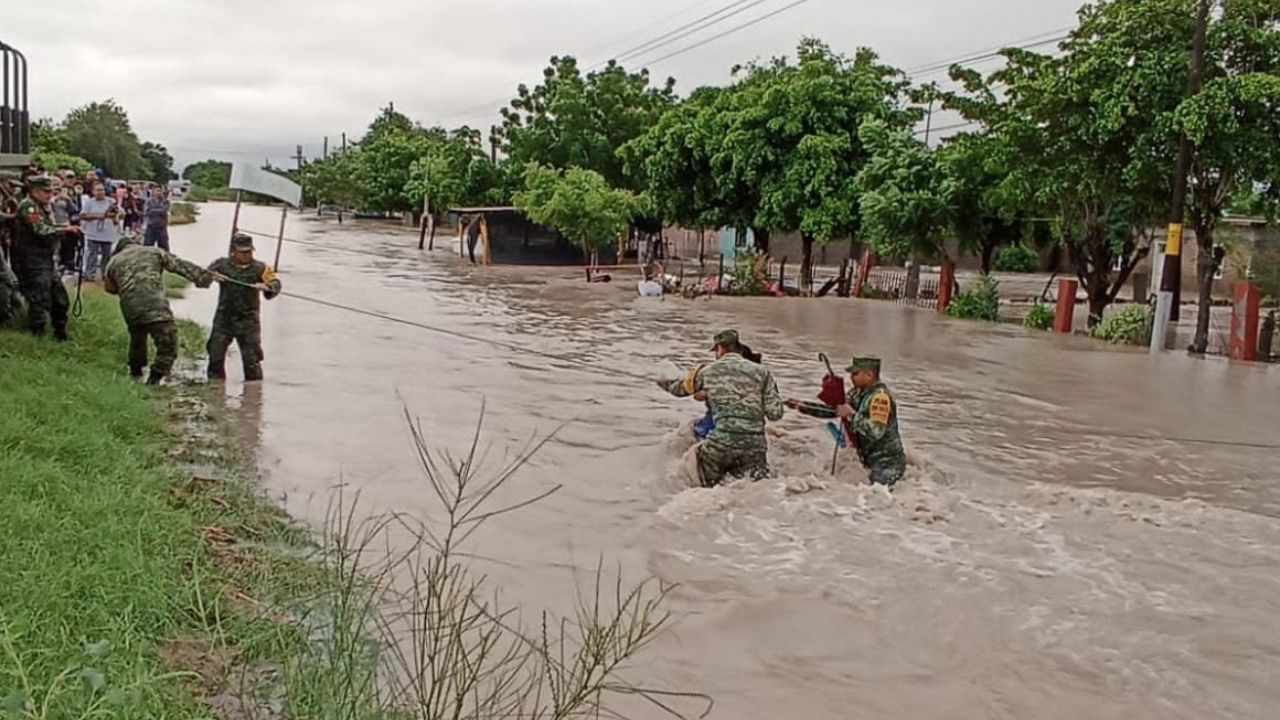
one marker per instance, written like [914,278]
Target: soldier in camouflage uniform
[136,274]
[873,413]
[35,241]
[9,294]
[742,395]
[238,309]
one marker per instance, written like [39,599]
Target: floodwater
[1048,556]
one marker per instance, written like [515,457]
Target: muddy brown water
[1040,561]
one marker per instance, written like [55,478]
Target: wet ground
[1048,556]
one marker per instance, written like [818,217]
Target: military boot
[60,334]
[154,378]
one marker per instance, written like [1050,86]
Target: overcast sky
[251,79]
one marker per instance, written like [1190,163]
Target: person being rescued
[872,414]
[742,396]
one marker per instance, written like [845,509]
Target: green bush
[1130,326]
[1017,258]
[745,281]
[1039,317]
[980,303]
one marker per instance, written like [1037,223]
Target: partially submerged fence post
[1065,314]
[946,282]
[1244,322]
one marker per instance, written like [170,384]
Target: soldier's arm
[42,227]
[109,282]
[773,408]
[872,418]
[189,270]
[816,410]
[272,281]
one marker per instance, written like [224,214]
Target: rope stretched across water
[636,376]
[456,334]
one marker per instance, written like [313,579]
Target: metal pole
[1169,299]
[235,218]
[284,213]
[928,123]
[326,147]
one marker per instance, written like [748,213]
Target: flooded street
[1044,559]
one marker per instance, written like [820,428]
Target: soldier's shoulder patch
[881,408]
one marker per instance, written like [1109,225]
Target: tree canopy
[578,203]
[100,133]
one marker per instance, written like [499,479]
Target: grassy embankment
[183,213]
[136,563]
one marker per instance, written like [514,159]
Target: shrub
[1130,326]
[980,303]
[1017,258]
[1039,317]
[748,273]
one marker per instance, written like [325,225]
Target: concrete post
[1065,315]
[1244,322]
[946,283]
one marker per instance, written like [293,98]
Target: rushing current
[1072,541]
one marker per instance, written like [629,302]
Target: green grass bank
[137,561]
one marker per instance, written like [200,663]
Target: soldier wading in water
[239,309]
[873,414]
[742,396]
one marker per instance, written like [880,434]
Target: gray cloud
[253,78]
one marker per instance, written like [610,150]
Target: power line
[693,28]
[990,53]
[641,31]
[728,32]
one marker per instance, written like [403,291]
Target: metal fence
[15,120]
[896,286]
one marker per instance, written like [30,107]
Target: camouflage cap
[725,337]
[43,182]
[864,362]
[241,242]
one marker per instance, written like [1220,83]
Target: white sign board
[253,179]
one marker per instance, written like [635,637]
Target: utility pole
[1169,299]
[928,122]
[344,142]
[325,154]
[299,158]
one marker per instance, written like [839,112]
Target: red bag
[833,396]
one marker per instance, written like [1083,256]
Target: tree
[579,204]
[905,196]
[788,133]
[573,121]
[100,133]
[53,160]
[158,163]
[455,171]
[387,152]
[50,137]
[982,219]
[1082,139]
[672,161]
[1233,125]
[330,180]
[209,174]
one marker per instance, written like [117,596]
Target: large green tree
[100,133]
[387,152]
[776,151]
[158,163]
[575,120]
[579,204]
[1082,139]
[905,196]
[1233,124]
[455,171]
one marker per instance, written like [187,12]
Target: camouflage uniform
[741,395]
[136,274]
[875,425]
[9,294]
[35,241]
[238,316]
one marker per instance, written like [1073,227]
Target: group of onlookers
[104,210]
